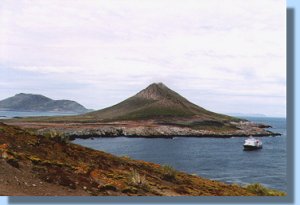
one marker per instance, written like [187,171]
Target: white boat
[252,144]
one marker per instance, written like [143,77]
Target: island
[38,103]
[156,111]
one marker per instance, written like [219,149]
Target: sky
[227,56]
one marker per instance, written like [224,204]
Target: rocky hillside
[50,165]
[40,103]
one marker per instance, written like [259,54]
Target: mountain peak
[159,84]
[156,101]
[155,91]
[21,94]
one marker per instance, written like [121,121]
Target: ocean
[221,159]
[10,114]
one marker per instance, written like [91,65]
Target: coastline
[71,138]
[41,165]
[70,131]
[141,129]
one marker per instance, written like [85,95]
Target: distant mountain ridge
[40,103]
[247,114]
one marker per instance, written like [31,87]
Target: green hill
[156,101]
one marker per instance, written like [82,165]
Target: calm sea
[220,159]
[11,114]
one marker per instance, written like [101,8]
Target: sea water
[11,114]
[220,159]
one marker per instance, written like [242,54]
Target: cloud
[233,48]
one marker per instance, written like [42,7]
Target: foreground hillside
[40,103]
[39,165]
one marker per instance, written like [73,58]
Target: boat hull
[249,147]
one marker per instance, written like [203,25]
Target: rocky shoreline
[85,131]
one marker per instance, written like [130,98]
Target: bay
[221,159]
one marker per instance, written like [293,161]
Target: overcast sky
[227,56]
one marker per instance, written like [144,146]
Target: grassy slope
[97,173]
[156,102]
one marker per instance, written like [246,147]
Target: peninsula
[156,111]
